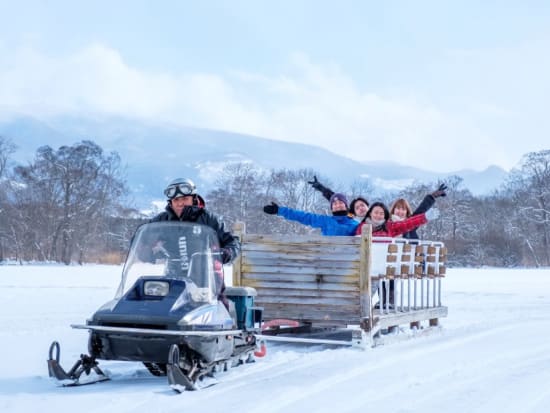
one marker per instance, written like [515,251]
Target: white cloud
[309,103]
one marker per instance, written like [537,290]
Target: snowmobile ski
[177,379]
[74,377]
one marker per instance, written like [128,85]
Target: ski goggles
[183,189]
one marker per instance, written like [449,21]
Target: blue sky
[435,84]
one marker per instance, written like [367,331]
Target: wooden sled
[328,290]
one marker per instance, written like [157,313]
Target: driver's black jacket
[228,241]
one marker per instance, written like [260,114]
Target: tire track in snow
[372,378]
[386,390]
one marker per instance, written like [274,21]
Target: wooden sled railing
[336,282]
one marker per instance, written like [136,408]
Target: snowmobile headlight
[156,288]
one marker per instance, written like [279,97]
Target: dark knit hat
[340,197]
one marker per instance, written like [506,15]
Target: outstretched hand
[315,183]
[440,191]
[272,209]
[314,180]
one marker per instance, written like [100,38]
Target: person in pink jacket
[382,226]
[379,217]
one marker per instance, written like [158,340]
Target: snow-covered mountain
[156,153]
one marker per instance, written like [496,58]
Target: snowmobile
[167,313]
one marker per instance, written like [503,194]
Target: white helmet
[180,187]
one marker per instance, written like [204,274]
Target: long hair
[352,204]
[381,227]
[381,205]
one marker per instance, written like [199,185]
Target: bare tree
[291,189]
[7,148]
[507,228]
[243,190]
[235,198]
[530,186]
[66,205]
[363,187]
[66,193]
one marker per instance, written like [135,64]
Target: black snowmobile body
[166,312]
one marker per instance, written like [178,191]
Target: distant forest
[70,205]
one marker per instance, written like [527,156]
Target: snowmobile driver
[184,204]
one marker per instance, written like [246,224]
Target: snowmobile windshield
[176,250]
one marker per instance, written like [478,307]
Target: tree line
[70,205]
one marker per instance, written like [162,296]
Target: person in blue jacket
[339,223]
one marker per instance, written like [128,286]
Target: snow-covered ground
[492,355]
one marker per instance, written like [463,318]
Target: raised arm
[429,200]
[327,192]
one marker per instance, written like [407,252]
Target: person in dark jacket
[340,223]
[358,207]
[184,204]
[401,210]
